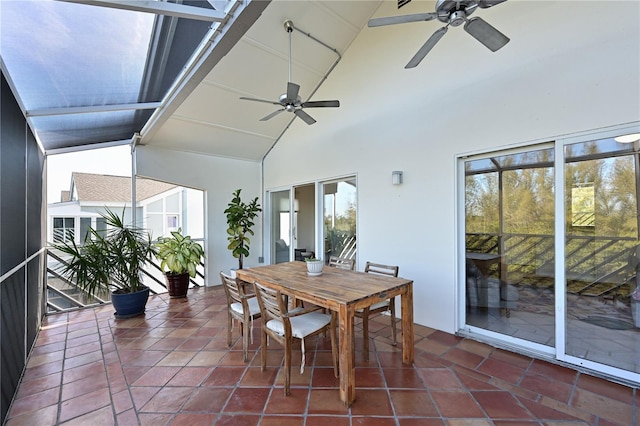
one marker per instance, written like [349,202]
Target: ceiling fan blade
[292,91]
[259,100]
[403,19]
[426,48]
[304,116]
[484,4]
[273,114]
[486,34]
[320,104]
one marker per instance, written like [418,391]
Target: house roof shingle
[110,188]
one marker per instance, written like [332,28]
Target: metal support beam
[89,109]
[159,8]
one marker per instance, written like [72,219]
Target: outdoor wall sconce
[396,177]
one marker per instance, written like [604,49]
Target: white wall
[570,67]
[218,177]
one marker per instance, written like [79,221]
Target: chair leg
[287,367]
[245,338]
[365,333]
[263,351]
[392,310]
[229,326]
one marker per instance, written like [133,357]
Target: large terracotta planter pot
[177,285]
[129,305]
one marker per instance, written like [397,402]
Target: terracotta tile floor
[172,366]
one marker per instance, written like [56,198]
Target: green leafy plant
[240,216]
[108,260]
[179,254]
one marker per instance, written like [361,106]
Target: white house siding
[571,66]
[218,177]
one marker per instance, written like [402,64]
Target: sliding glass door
[601,253]
[340,208]
[281,225]
[509,244]
[552,253]
[313,223]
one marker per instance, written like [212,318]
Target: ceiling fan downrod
[288,26]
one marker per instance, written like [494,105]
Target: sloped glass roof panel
[69,55]
[61,55]
[62,131]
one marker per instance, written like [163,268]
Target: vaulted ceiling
[98,72]
[212,119]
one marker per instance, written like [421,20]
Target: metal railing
[64,295]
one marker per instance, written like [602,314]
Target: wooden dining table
[343,292]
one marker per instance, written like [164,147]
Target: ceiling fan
[452,13]
[291,101]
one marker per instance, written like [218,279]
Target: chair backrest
[380,269]
[273,305]
[342,263]
[232,289]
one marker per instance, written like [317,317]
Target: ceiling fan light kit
[291,101]
[452,13]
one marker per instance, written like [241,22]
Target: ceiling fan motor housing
[289,104]
[455,12]
[457,18]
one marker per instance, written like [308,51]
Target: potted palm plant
[111,260]
[240,216]
[179,256]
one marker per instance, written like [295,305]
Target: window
[63,229]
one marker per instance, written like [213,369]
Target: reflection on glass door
[280,226]
[340,209]
[509,245]
[601,254]
[304,221]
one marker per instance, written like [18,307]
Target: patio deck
[172,366]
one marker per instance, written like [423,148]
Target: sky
[108,161]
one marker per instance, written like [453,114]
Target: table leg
[347,355]
[407,325]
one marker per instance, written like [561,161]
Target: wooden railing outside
[595,266]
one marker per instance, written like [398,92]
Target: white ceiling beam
[89,109]
[159,8]
[242,15]
[87,147]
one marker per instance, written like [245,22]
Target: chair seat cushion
[302,325]
[383,304]
[254,308]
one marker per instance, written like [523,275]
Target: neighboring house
[160,207]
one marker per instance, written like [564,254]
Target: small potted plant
[111,260]
[240,216]
[179,256]
[314,266]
